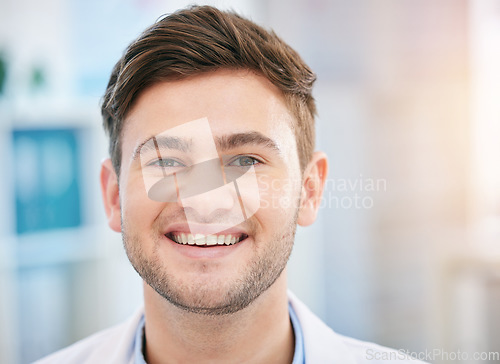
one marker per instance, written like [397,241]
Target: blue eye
[244,161]
[166,163]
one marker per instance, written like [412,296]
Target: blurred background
[406,250]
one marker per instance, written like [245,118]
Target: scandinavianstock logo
[215,181]
[352,193]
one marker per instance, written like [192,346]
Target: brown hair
[200,39]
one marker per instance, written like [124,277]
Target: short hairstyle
[200,39]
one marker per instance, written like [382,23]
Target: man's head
[203,39]
[201,95]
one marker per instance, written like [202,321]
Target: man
[211,125]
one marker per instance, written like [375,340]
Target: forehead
[232,101]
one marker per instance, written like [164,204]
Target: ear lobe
[312,188]
[111,195]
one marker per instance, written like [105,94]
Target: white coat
[321,345]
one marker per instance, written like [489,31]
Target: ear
[312,188]
[111,195]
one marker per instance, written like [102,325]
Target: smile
[206,240]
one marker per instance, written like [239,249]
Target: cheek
[136,205]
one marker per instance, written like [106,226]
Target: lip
[205,229]
[198,252]
[205,252]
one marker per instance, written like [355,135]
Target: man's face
[207,246]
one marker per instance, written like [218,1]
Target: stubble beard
[219,298]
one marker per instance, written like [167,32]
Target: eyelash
[156,163]
[255,161]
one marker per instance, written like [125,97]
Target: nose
[220,205]
[204,194]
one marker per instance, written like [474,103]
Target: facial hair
[222,297]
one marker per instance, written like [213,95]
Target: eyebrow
[162,141]
[223,143]
[232,141]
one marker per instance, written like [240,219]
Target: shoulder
[323,345]
[113,345]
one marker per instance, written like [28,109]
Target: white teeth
[211,240]
[201,239]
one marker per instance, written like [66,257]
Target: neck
[260,333]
